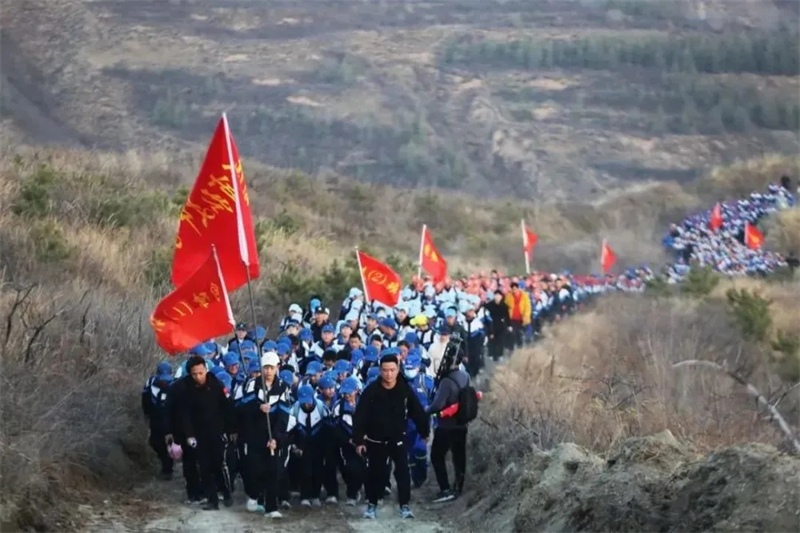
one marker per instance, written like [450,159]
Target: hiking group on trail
[356,395]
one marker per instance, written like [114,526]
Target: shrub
[700,282]
[751,314]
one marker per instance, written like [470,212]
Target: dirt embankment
[647,484]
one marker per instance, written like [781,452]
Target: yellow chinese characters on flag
[196,311]
[381,283]
[217,212]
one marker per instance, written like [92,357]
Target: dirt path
[157,506]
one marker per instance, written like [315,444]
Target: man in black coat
[497,326]
[379,432]
[204,418]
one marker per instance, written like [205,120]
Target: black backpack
[467,405]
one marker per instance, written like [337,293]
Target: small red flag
[753,238]
[715,222]
[217,212]
[607,257]
[430,259]
[529,239]
[196,311]
[381,283]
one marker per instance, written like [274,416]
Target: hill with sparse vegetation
[541,99]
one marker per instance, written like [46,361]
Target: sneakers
[332,499]
[274,514]
[316,502]
[211,506]
[444,496]
[305,503]
[351,502]
[194,500]
[252,506]
[405,512]
[371,513]
[285,504]
[387,491]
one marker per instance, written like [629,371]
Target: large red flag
[381,283]
[753,238]
[217,212]
[607,257]
[429,257]
[196,311]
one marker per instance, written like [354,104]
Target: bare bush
[607,375]
[69,357]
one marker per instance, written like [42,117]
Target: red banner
[431,260]
[217,212]
[607,257]
[196,311]
[381,283]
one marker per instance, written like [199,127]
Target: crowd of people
[356,395]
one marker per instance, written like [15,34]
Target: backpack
[467,405]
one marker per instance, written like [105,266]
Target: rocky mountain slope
[544,99]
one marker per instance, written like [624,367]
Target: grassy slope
[86,246]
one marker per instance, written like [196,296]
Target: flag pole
[244,255]
[525,247]
[363,282]
[421,249]
[600,258]
[228,303]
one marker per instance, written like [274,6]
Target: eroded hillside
[544,99]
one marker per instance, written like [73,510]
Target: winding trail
[156,506]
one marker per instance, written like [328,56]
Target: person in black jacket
[205,418]
[379,428]
[497,326]
[449,435]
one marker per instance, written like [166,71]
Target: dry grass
[606,375]
[86,240]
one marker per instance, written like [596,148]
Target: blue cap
[217,370]
[201,349]
[390,351]
[306,334]
[328,328]
[314,303]
[444,329]
[371,354]
[230,359]
[373,372]
[269,346]
[349,386]
[286,376]
[314,367]
[411,338]
[163,368]
[225,379]
[283,348]
[342,366]
[327,382]
[259,333]
[389,323]
[413,360]
[253,365]
[305,394]
[356,356]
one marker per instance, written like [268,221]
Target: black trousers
[330,466]
[352,467]
[449,440]
[377,455]
[310,470]
[210,452]
[159,445]
[191,472]
[261,475]
[496,347]
[515,336]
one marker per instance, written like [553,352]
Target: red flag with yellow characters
[196,311]
[217,212]
[381,283]
[430,259]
